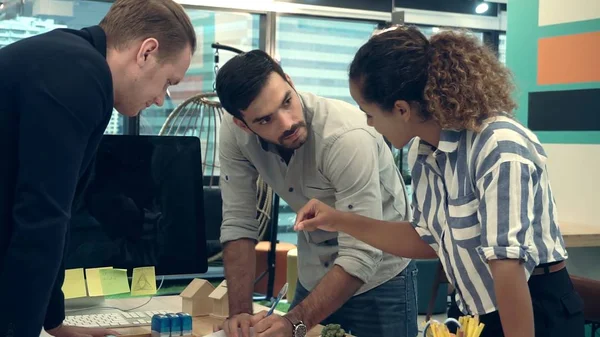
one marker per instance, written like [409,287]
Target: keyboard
[113,320]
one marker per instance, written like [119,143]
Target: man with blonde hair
[57,94]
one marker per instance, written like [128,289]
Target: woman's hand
[317,215]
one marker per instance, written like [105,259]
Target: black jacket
[56,99]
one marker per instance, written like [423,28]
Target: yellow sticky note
[74,284]
[114,281]
[144,281]
[94,285]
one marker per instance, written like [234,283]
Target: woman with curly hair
[482,199]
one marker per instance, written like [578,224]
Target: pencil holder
[446,322]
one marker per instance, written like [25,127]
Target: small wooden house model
[195,297]
[220,300]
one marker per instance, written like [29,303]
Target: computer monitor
[141,204]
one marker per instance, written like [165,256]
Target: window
[502,48]
[429,31]
[239,30]
[21,20]
[316,54]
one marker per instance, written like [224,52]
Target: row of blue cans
[171,325]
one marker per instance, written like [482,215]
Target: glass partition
[316,52]
[502,48]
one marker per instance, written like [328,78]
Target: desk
[202,325]
[579,235]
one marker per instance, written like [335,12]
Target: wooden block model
[195,298]
[220,301]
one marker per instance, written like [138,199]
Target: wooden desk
[579,235]
[202,325]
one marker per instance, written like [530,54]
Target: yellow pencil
[479,330]
[472,327]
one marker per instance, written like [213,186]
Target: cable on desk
[123,310]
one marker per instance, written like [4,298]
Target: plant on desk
[333,330]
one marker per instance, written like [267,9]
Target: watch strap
[294,325]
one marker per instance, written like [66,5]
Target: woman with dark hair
[482,199]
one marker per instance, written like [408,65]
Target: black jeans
[557,308]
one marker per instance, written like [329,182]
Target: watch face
[300,330]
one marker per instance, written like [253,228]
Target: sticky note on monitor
[144,281]
[92,276]
[74,284]
[114,281]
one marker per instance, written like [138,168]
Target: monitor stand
[83,303]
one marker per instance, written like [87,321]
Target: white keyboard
[113,320]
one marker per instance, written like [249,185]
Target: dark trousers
[557,308]
[389,310]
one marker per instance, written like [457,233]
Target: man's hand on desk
[272,326]
[74,331]
[239,323]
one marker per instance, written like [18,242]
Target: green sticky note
[93,281]
[114,281]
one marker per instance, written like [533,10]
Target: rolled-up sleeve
[420,196]
[238,189]
[351,166]
[420,225]
[506,211]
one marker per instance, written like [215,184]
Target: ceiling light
[482,8]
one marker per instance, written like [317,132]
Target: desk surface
[580,235]
[202,325]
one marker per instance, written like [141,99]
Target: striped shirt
[484,196]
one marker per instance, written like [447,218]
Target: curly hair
[456,80]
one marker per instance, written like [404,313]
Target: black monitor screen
[141,204]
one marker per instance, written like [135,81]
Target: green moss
[333,330]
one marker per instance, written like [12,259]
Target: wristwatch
[298,328]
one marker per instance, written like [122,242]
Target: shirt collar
[449,140]
[98,38]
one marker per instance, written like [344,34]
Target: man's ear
[148,47]
[242,125]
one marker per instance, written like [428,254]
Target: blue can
[161,326]
[186,323]
[176,328]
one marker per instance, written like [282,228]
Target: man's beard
[281,141]
[290,132]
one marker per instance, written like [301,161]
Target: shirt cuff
[509,253]
[55,315]
[359,265]
[235,230]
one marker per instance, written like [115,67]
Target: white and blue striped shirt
[482,196]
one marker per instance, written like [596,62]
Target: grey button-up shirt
[344,163]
